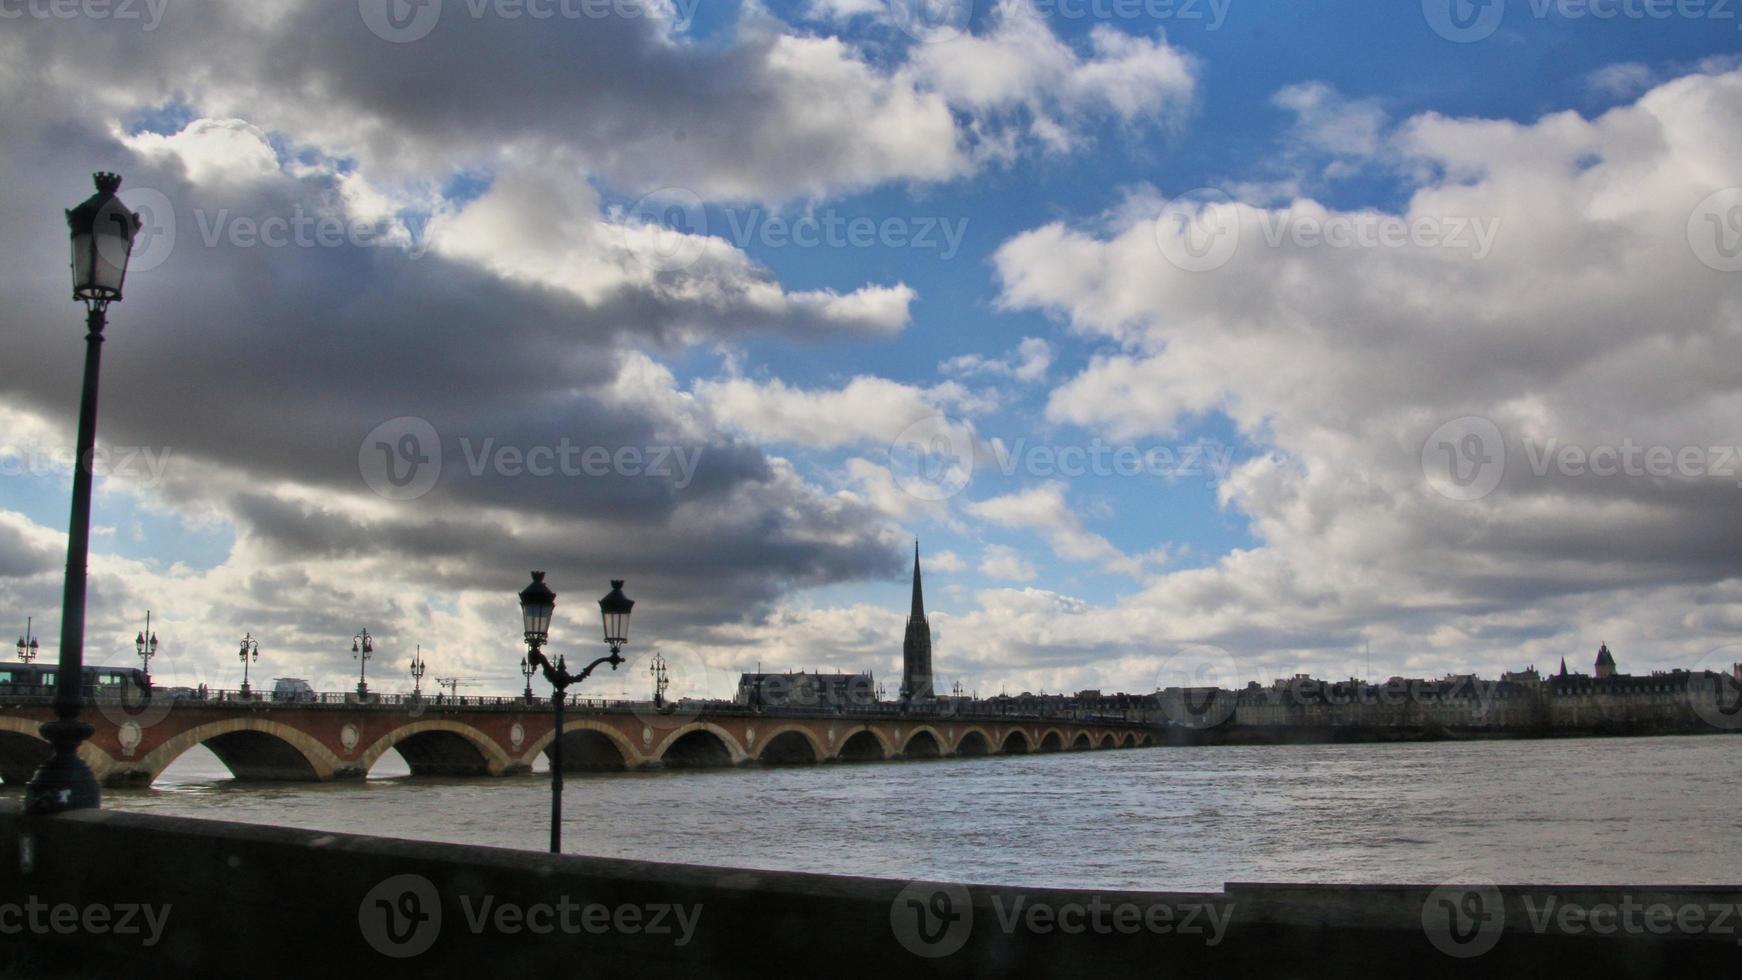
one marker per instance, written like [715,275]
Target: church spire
[918,612]
[916,679]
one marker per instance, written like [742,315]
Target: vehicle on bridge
[38,680]
[292,689]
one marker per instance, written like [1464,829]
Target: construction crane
[453,684]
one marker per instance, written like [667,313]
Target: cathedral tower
[916,682]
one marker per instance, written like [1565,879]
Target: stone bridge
[265,740]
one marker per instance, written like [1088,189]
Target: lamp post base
[64,782]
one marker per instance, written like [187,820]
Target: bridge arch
[699,745]
[1107,741]
[924,743]
[1015,743]
[973,742]
[440,747]
[791,745]
[1052,740]
[21,750]
[864,745]
[1081,742]
[251,748]
[588,746]
[1148,742]
[1128,741]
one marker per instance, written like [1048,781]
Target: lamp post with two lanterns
[145,644]
[417,671]
[27,645]
[362,647]
[102,232]
[537,602]
[250,651]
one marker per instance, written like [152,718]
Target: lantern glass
[615,609]
[102,231]
[537,603]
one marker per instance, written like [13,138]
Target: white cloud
[1593,321]
[1045,510]
[1003,562]
[1028,362]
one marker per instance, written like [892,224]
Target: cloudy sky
[1330,337]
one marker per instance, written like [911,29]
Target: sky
[1195,341]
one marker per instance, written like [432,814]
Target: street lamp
[660,681]
[417,669]
[27,645]
[362,645]
[102,240]
[146,644]
[250,651]
[526,671]
[537,602]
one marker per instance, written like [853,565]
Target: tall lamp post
[417,669]
[537,602]
[102,240]
[250,650]
[526,671]
[146,645]
[362,646]
[27,645]
[660,680]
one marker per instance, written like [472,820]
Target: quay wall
[236,899]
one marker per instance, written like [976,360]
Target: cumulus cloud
[1599,318]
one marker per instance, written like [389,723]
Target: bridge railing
[943,711]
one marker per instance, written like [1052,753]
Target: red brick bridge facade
[269,740]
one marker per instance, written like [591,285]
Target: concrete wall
[259,901]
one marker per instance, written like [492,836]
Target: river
[1594,811]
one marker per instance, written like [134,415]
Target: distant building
[802,690]
[916,676]
[1605,662]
